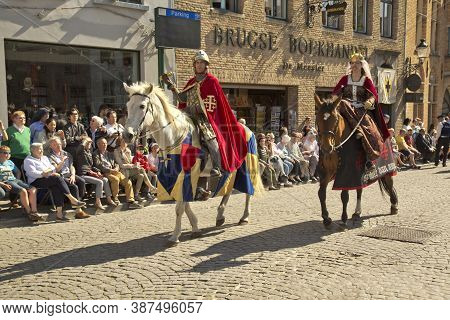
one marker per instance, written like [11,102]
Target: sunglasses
[5,152]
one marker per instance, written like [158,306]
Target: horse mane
[170,110]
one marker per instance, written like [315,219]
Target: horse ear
[317,100]
[126,87]
[337,101]
[148,89]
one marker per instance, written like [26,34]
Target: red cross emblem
[210,103]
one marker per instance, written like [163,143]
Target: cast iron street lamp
[422,54]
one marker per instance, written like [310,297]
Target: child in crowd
[9,182]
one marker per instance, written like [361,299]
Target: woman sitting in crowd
[153,161]
[311,153]
[63,162]
[397,156]
[276,158]
[18,138]
[9,182]
[131,170]
[268,172]
[294,176]
[42,174]
[49,132]
[87,171]
[295,153]
[96,130]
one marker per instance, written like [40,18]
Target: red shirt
[139,158]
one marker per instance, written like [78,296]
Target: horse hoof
[343,224]
[171,244]
[356,219]
[327,223]
[394,211]
[242,222]
[220,222]
[195,235]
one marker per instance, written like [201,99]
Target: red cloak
[368,84]
[230,134]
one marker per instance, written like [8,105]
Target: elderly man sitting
[63,162]
[105,162]
[42,174]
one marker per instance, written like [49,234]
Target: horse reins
[351,133]
[145,132]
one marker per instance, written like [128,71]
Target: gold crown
[357,55]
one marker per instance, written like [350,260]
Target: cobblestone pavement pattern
[284,253]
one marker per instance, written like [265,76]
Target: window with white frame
[332,22]
[386,18]
[360,16]
[276,9]
[229,5]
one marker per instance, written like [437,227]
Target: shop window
[276,9]
[229,5]
[386,18]
[61,76]
[360,16]
[328,21]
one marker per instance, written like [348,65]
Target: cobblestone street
[283,253]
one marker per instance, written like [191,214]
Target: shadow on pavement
[228,252]
[102,253]
[93,255]
[442,172]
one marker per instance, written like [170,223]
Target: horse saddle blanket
[352,173]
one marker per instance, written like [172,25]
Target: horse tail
[385,189]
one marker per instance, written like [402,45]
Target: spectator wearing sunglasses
[10,183]
[74,132]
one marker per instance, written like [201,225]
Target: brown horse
[334,130]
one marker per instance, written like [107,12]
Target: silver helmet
[201,55]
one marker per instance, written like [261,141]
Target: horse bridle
[333,147]
[150,104]
[140,134]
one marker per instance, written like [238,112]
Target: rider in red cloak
[203,99]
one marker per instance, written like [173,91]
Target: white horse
[150,112]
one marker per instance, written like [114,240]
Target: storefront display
[62,76]
[263,109]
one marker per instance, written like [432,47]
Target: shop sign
[320,48]
[336,9]
[244,38]
[311,67]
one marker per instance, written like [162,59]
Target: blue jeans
[17,185]
[2,193]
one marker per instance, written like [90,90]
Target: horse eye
[142,106]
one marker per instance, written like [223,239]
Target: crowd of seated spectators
[68,159]
[293,160]
[413,143]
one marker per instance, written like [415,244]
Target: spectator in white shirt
[42,174]
[113,129]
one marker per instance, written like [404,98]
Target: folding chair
[47,195]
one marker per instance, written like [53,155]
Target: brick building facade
[432,23]
[271,63]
